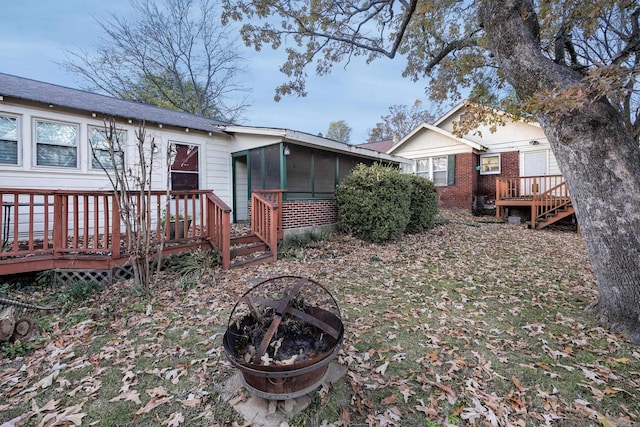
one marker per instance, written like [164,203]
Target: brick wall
[460,194]
[307,213]
[509,166]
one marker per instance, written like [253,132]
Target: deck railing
[63,223]
[525,187]
[219,226]
[545,195]
[266,217]
[551,200]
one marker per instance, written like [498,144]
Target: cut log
[23,329]
[7,323]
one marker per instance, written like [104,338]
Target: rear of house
[52,138]
[465,169]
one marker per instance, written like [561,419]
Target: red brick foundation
[308,213]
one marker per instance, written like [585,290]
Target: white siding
[429,144]
[213,159]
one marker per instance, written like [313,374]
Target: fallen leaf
[174,420]
[382,368]
[130,395]
[389,400]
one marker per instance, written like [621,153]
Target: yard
[470,323]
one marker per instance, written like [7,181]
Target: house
[52,141]
[511,168]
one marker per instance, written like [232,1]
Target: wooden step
[555,218]
[247,249]
[244,239]
[259,259]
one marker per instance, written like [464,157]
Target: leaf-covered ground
[470,323]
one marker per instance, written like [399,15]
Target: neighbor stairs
[554,215]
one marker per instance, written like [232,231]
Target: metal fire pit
[282,334]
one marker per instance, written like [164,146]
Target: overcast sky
[36,34]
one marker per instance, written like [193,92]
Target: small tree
[401,120]
[132,192]
[339,131]
[374,203]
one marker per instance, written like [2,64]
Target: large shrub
[424,204]
[374,203]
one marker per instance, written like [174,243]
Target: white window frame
[490,172]
[18,139]
[430,170]
[199,171]
[122,139]
[36,143]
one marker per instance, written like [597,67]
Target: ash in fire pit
[281,336]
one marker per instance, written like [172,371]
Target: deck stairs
[554,215]
[248,249]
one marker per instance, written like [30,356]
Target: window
[185,167]
[8,140]
[101,148]
[299,173]
[56,144]
[434,168]
[489,164]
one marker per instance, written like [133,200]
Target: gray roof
[32,90]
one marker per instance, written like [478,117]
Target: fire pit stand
[281,335]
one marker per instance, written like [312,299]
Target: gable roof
[432,128]
[32,90]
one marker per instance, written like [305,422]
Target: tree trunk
[598,156]
[7,323]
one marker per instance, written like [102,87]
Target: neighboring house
[467,169]
[46,133]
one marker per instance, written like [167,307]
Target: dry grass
[470,323]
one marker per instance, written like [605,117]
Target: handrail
[219,227]
[551,200]
[266,217]
[275,198]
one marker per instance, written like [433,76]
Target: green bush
[424,204]
[374,203]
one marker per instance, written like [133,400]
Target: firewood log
[7,323]
[23,329]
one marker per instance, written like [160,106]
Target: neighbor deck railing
[544,195]
[525,187]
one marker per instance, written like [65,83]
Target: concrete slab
[273,413]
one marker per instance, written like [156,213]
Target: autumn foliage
[377,203]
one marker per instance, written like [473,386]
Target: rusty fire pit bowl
[282,334]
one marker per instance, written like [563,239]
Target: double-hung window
[8,140]
[489,164]
[107,148]
[434,168]
[56,144]
[185,167]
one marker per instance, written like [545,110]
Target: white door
[241,191]
[534,164]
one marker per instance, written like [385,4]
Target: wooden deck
[547,197]
[82,230]
[44,230]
